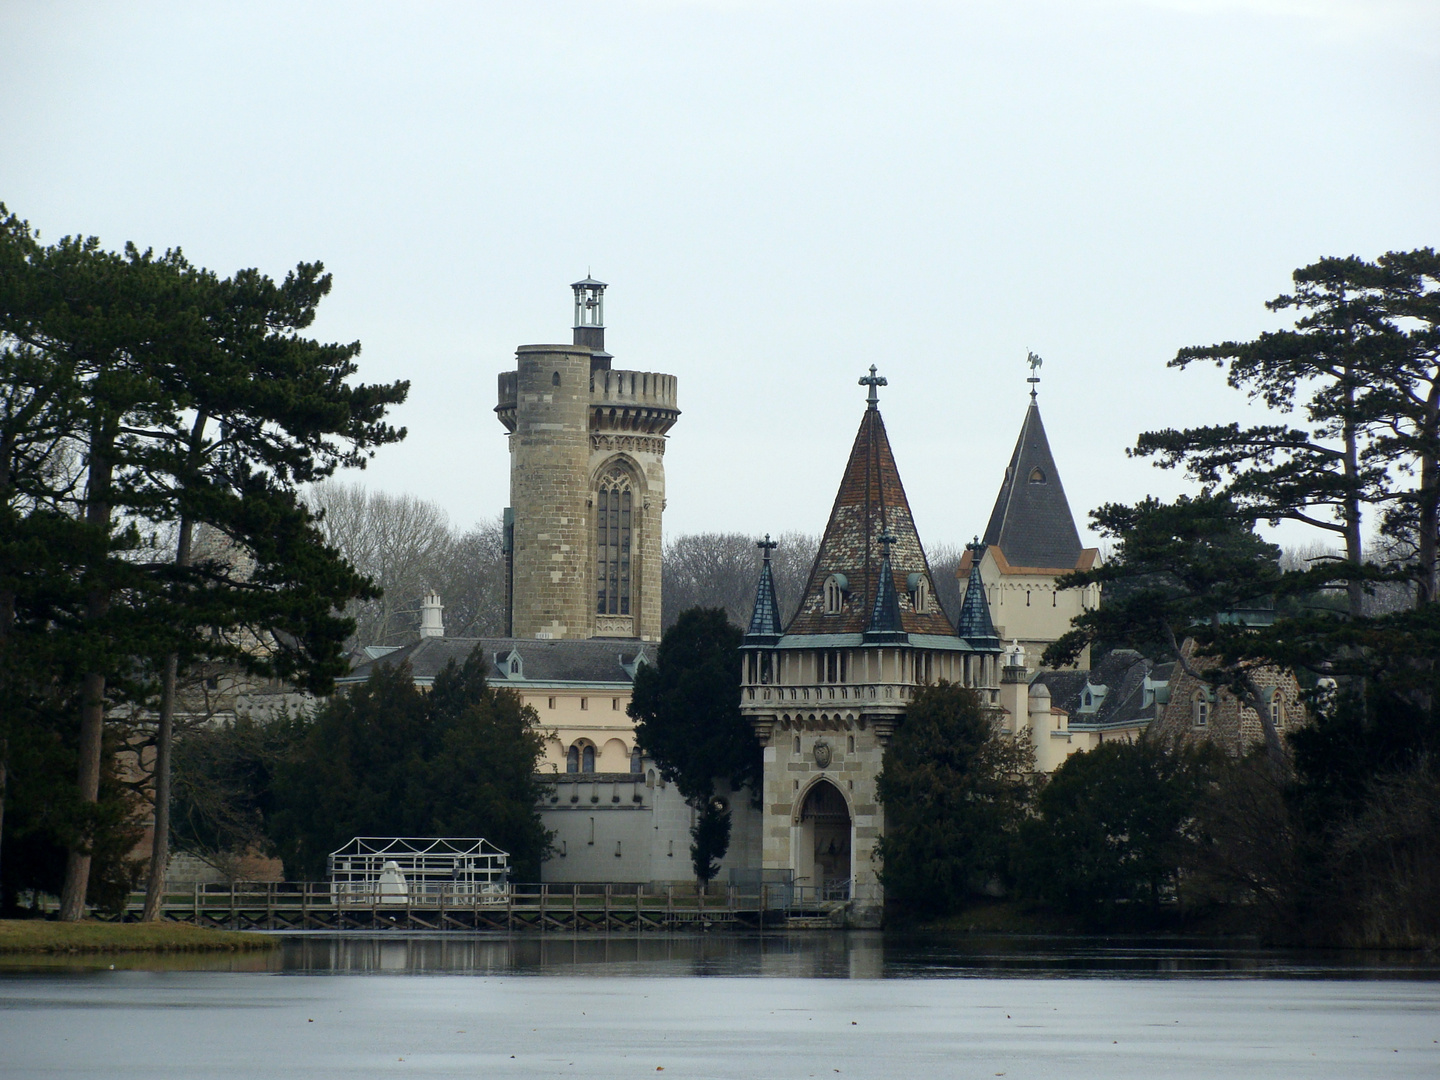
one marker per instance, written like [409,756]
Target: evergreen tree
[388,758]
[955,790]
[1112,826]
[687,713]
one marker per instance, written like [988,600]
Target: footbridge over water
[319,906]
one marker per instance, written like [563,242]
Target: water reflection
[833,955]
[795,954]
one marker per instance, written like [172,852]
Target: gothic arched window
[1037,475]
[835,586]
[614,542]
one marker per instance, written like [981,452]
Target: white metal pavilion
[433,866]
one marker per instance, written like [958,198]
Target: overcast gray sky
[779,193]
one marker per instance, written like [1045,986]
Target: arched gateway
[824,842]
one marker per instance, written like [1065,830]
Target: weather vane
[1033,359]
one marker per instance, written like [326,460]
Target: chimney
[432,624]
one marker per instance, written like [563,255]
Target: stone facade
[1197,712]
[578,431]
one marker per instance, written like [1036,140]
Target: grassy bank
[42,936]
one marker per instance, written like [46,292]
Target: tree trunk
[1354,548]
[4,785]
[92,730]
[1429,508]
[160,842]
[165,726]
[92,700]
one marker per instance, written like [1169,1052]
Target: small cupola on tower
[590,321]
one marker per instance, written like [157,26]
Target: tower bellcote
[590,320]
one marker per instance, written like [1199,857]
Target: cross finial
[1033,359]
[767,545]
[885,540]
[872,380]
[975,545]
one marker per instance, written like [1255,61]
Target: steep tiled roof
[594,661]
[765,626]
[1031,522]
[871,501]
[974,624]
[886,624]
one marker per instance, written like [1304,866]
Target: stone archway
[823,848]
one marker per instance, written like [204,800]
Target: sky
[780,194]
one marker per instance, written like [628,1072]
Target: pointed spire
[974,624]
[886,625]
[1031,523]
[765,628]
[871,503]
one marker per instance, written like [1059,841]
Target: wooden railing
[314,905]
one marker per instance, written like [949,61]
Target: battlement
[639,401]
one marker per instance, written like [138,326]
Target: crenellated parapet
[638,402]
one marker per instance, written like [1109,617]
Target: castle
[824,693]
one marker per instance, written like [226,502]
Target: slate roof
[765,625]
[1122,672]
[598,661]
[974,624]
[886,625]
[871,501]
[1031,522]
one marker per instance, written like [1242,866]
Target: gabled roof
[765,626]
[1031,522]
[871,502]
[593,662]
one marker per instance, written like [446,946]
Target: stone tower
[587,485]
[826,692]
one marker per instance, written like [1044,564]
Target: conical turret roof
[870,503]
[974,623]
[765,628]
[1031,523]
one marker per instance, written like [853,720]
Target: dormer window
[835,588]
[1277,710]
[919,589]
[515,666]
[1037,475]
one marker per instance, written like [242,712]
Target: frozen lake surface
[796,1006]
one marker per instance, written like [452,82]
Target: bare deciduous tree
[721,570]
[408,546]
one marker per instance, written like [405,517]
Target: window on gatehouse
[614,544]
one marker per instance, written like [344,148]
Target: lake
[746,1006]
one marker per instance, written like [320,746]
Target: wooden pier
[540,908]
